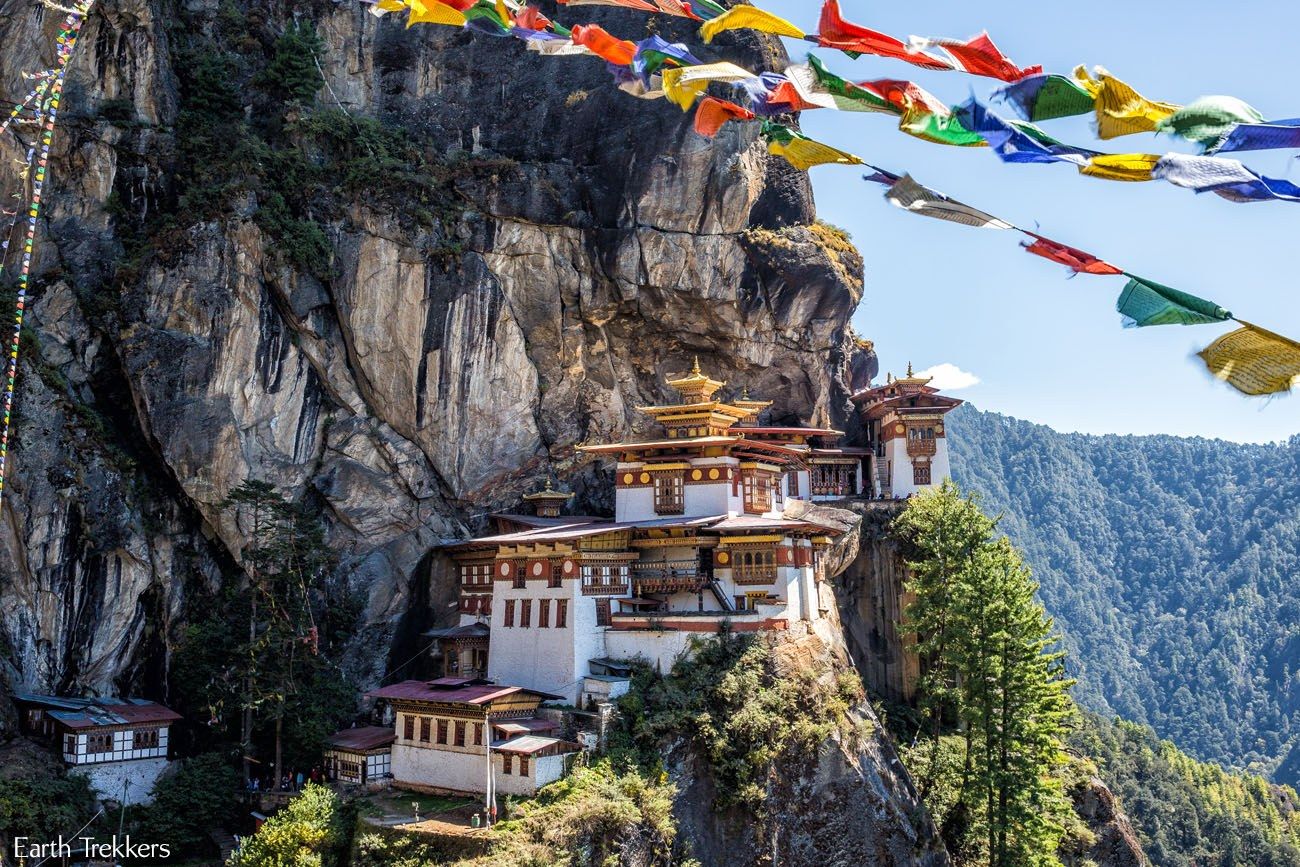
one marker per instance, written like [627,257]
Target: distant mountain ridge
[1171,565]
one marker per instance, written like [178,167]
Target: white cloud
[949,377]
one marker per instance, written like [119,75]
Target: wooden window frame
[508,616]
[426,728]
[543,614]
[408,729]
[99,742]
[478,734]
[459,733]
[561,613]
[506,763]
[523,766]
[145,739]
[525,613]
[604,616]
[921,474]
[670,493]
[442,731]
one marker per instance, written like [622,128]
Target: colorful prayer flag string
[46,99]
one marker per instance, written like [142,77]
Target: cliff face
[422,374]
[853,804]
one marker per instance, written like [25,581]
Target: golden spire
[696,387]
[909,370]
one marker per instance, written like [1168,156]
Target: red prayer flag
[1076,260]
[785,96]
[600,43]
[904,95]
[712,113]
[531,18]
[835,32]
[979,56]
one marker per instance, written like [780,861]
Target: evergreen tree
[991,673]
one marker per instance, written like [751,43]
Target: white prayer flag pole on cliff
[43,105]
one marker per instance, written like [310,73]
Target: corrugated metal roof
[361,739]
[95,714]
[520,726]
[476,694]
[526,745]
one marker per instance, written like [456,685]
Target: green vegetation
[41,802]
[260,671]
[994,698]
[1170,565]
[313,830]
[1190,813]
[740,715]
[199,794]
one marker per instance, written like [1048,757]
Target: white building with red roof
[119,744]
[468,735]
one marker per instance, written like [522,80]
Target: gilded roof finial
[889,377]
[548,485]
[744,393]
[695,368]
[909,370]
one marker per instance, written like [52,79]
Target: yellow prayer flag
[751,18]
[683,84]
[384,6]
[433,12]
[1120,167]
[803,153]
[1254,361]
[1120,109]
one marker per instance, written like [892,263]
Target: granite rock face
[423,376]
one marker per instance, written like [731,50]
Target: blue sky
[1044,347]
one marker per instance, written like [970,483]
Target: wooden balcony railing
[668,576]
[922,447]
[764,573]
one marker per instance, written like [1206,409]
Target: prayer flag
[1144,302]
[653,53]
[835,32]
[712,113]
[978,56]
[819,86]
[800,151]
[1076,260]
[1260,136]
[433,12]
[1207,120]
[1046,97]
[750,18]
[911,196]
[1121,110]
[626,4]
[1121,167]
[940,128]
[594,37]
[1229,177]
[1017,141]
[684,84]
[1254,361]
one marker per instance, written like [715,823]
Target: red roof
[362,739]
[476,694]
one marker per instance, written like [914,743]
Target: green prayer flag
[1209,119]
[1144,302]
[940,129]
[1060,96]
[844,89]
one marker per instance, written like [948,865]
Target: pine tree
[991,673]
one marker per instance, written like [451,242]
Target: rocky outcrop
[1115,842]
[854,804]
[430,371]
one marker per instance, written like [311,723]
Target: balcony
[756,573]
[668,576]
[922,447]
[614,584]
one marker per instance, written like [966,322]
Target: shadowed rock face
[432,376]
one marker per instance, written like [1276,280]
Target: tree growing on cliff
[286,562]
[990,672]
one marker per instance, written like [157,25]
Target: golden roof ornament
[696,387]
[752,408]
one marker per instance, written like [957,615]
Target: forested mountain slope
[1170,564]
